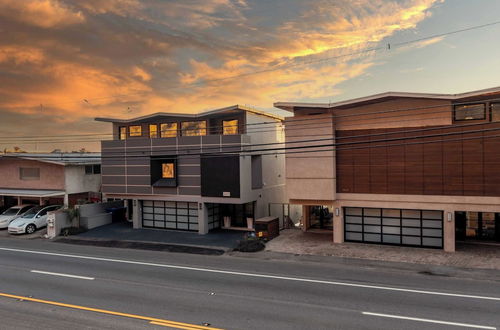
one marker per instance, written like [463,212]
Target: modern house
[398,168]
[55,178]
[194,172]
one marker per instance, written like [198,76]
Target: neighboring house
[55,178]
[185,171]
[407,168]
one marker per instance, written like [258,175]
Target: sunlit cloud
[76,60]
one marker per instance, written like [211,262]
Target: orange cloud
[41,13]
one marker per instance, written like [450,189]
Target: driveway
[467,255]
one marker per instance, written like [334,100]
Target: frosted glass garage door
[170,215]
[394,226]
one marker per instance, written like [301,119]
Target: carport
[22,196]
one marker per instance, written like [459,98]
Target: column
[202,219]
[136,214]
[66,200]
[449,230]
[338,224]
[305,217]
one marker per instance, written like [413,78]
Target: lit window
[230,127]
[135,130]
[168,130]
[495,111]
[194,128]
[153,131]
[167,171]
[123,133]
[470,112]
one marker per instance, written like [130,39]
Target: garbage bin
[118,214]
[267,227]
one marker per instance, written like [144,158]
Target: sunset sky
[65,62]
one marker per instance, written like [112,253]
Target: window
[470,112]
[93,169]
[168,130]
[153,131]
[495,111]
[135,130]
[123,133]
[29,173]
[230,127]
[163,172]
[167,170]
[194,128]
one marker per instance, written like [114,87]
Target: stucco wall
[51,175]
[77,181]
[310,175]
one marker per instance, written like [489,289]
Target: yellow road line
[173,324]
[168,325]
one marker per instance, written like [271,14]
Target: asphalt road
[59,286]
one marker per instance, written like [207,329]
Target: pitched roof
[191,115]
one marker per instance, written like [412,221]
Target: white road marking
[63,275]
[296,279]
[466,325]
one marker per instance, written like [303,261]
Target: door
[460,225]
[419,228]
[41,218]
[170,215]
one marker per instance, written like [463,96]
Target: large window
[194,128]
[163,172]
[135,130]
[230,127]
[123,132]
[495,111]
[168,130]
[153,131]
[470,112]
[26,173]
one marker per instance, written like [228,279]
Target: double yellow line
[152,320]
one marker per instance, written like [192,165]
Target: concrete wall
[76,181]
[51,175]
[95,215]
[310,175]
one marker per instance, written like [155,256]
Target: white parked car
[10,214]
[32,220]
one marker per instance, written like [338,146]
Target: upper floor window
[153,131]
[495,111]
[168,130]
[93,169]
[135,130]
[167,170]
[470,112]
[26,173]
[194,128]
[230,127]
[123,133]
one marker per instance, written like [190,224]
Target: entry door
[460,225]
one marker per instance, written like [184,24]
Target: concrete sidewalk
[296,242]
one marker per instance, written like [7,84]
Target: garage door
[170,215]
[394,226]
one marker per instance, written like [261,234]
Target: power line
[291,121]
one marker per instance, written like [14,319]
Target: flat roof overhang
[31,193]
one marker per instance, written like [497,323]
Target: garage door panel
[421,228]
[170,215]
